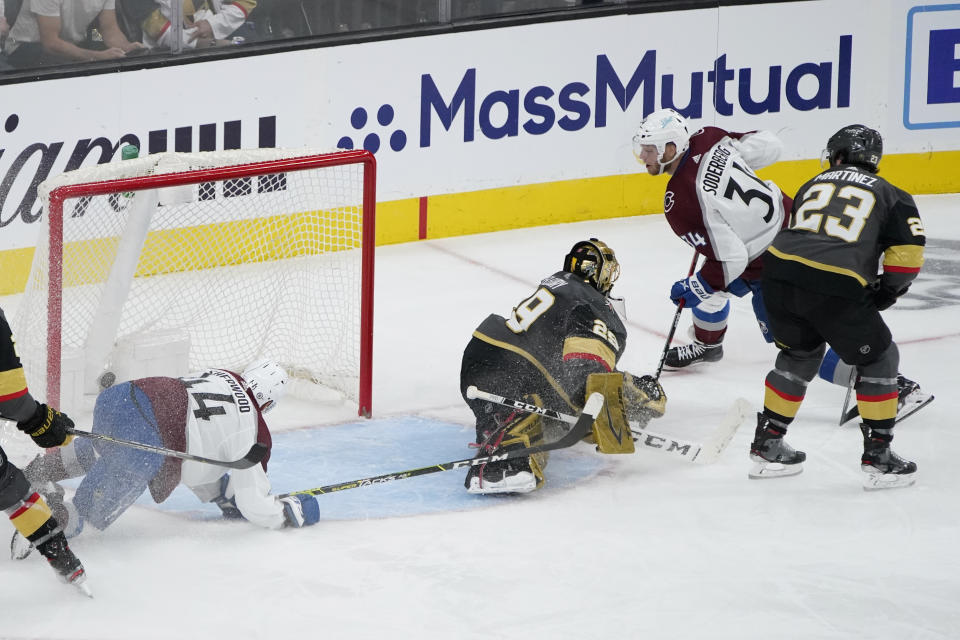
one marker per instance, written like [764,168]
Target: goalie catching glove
[645,398]
[627,399]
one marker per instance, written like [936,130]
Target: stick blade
[584,422]
[593,405]
[718,441]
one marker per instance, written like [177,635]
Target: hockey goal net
[177,261]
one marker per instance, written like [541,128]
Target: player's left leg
[120,474]
[709,327]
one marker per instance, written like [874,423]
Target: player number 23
[810,217]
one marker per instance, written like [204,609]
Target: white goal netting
[173,262]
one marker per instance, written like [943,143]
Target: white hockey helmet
[267,382]
[660,128]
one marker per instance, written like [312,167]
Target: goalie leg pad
[520,475]
[611,430]
[528,432]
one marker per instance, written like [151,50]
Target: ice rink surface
[645,546]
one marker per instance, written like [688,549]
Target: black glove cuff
[33,425]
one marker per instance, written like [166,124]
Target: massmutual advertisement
[521,126]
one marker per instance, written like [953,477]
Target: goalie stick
[581,427]
[253,457]
[704,453]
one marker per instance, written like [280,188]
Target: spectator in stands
[53,32]
[282,19]
[206,23]
[4,27]
[4,30]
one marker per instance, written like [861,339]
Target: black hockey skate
[910,398]
[772,456]
[884,468]
[64,562]
[694,353]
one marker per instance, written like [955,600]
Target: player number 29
[525,313]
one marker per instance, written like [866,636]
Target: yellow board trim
[599,198]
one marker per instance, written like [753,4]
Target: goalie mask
[855,144]
[267,382]
[595,262]
[659,129]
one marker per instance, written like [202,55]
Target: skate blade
[910,409]
[80,583]
[20,547]
[880,481]
[765,470]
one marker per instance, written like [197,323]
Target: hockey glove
[692,291]
[885,297]
[48,427]
[645,398]
[227,500]
[300,510]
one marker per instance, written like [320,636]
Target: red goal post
[227,256]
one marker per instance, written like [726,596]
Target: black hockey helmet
[855,144]
[595,262]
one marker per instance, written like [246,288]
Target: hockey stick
[676,321]
[901,415]
[705,452]
[846,398]
[253,457]
[581,427]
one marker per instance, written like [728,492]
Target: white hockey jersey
[717,204]
[222,423]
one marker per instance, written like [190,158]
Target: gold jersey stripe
[12,382]
[592,347]
[818,265]
[904,255]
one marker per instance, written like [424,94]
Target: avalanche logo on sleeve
[667,201]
